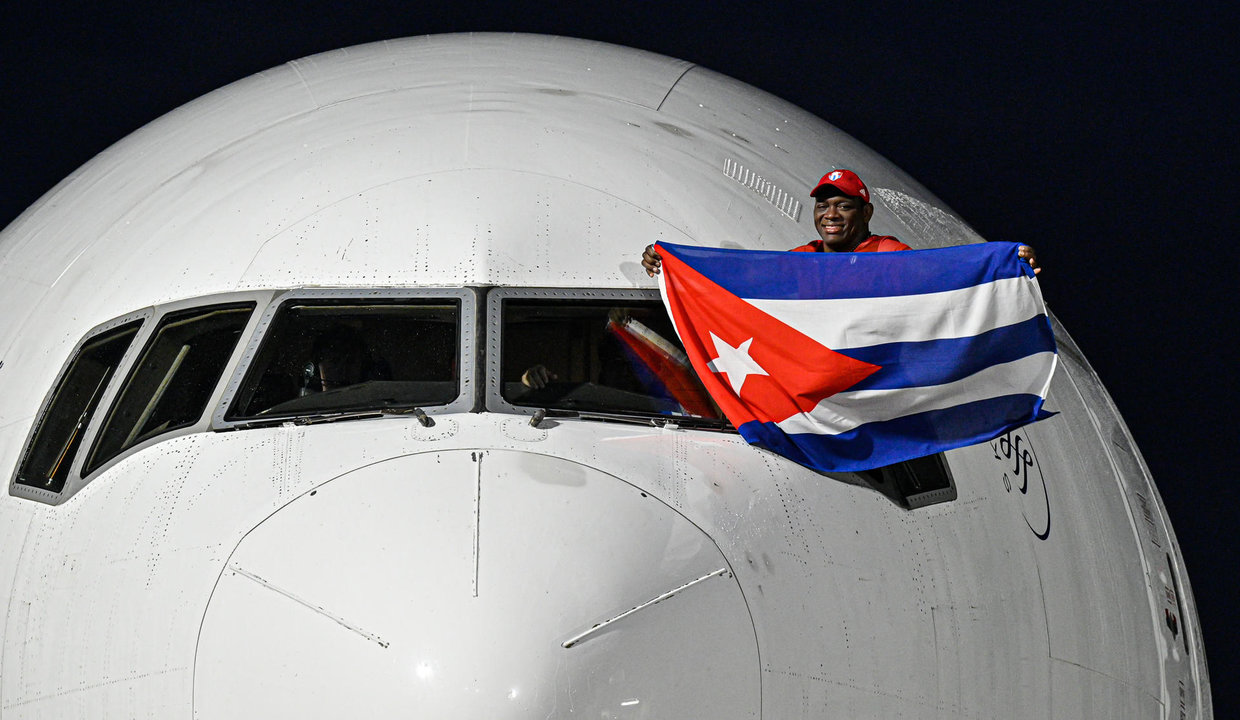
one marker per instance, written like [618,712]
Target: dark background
[1104,136]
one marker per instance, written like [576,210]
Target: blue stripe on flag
[781,275]
[936,362]
[884,443]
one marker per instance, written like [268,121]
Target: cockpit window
[170,386]
[597,355]
[59,433]
[338,355]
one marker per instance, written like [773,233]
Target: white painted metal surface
[382,568]
[431,584]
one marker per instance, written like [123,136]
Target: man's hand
[537,377]
[652,261]
[1029,255]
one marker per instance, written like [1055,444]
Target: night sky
[1106,138]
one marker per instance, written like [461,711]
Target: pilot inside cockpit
[341,357]
[598,357]
[328,355]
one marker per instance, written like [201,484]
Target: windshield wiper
[688,421]
[321,418]
[314,419]
[699,423]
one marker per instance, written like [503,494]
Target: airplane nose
[471,584]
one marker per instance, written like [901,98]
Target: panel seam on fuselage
[673,87]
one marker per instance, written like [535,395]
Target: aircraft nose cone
[448,584]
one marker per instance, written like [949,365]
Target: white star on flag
[734,362]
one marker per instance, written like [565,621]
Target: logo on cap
[845,181]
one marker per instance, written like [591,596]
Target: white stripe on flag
[846,410]
[861,322]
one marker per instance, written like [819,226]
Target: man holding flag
[851,364]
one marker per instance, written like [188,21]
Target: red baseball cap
[846,181]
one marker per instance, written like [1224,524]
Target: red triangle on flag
[799,371]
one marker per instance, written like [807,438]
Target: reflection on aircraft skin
[204,518]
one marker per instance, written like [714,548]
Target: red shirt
[874,243]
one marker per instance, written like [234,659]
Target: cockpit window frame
[249,305]
[156,315]
[151,318]
[494,399]
[73,481]
[467,342]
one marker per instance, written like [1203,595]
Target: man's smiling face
[842,221]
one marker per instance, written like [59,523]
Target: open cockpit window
[45,466]
[325,355]
[172,383]
[589,354]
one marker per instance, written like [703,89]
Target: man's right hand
[652,261]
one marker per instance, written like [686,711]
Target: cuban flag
[852,361]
